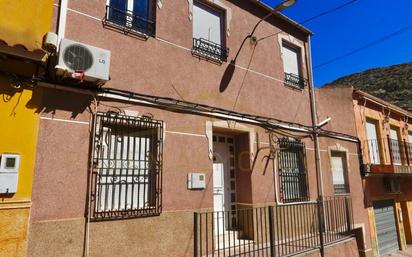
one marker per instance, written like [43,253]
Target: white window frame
[298,51]
[216,10]
[345,173]
[129,19]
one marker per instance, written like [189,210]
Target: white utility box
[196,181]
[9,172]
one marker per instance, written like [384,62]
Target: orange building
[385,131]
[385,143]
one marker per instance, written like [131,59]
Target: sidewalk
[405,253]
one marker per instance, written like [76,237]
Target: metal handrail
[295,80]
[388,151]
[128,21]
[209,50]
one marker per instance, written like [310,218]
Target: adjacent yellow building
[22,27]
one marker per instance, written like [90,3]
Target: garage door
[385,227]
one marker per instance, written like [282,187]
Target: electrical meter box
[9,172]
[196,181]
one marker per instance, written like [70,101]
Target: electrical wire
[316,16]
[328,11]
[366,46]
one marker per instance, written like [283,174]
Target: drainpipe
[315,127]
[318,167]
[61,28]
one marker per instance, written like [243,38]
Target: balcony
[281,230]
[209,50]
[295,80]
[386,155]
[129,22]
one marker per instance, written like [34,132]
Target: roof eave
[383,102]
[284,17]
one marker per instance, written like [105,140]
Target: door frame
[229,180]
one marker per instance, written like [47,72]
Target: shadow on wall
[46,100]
[8,92]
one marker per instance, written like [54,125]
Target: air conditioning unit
[83,61]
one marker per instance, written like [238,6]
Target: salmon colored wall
[162,66]
[337,103]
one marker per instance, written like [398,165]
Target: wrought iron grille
[127,165]
[209,49]
[341,188]
[129,22]
[292,171]
[295,80]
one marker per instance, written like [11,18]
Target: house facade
[206,139]
[386,135]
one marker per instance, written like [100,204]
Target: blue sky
[354,26]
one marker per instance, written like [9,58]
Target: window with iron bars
[292,171]
[127,166]
[132,16]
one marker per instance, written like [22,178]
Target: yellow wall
[24,22]
[18,134]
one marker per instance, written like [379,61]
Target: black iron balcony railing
[295,80]
[129,22]
[386,151]
[209,50]
[341,188]
[281,230]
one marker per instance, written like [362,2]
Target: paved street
[406,253]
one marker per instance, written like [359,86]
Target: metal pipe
[318,164]
[315,134]
[62,19]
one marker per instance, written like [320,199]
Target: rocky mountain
[392,84]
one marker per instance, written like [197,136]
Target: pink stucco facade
[164,66]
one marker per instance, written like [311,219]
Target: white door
[224,183]
[218,197]
[395,147]
[373,142]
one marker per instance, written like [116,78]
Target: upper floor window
[292,171]
[395,145]
[339,172]
[373,142]
[410,137]
[409,148]
[292,65]
[127,158]
[132,15]
[208,32]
